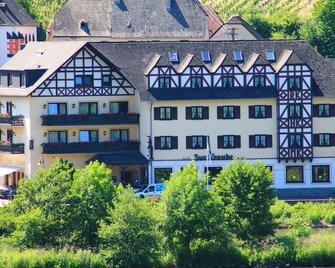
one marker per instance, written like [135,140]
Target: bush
[320,255]
[330,217]
[46,259]
[246,194]
[129,236]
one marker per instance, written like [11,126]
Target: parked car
[150,190]
[7,192]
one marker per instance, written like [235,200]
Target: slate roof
[133,59]
[12,13]
[214,21]
[120,158]
[131,19]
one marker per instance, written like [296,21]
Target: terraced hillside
[227,8]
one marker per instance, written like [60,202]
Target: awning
[120,158]
[8,170]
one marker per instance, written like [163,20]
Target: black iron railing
[12,120]
[14,148]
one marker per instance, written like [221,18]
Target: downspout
[151,151]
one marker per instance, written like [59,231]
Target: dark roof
[239,20]
[131,19]
[214,21]
[12,13]
[133,59]
[120,158]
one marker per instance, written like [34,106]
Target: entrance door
[127,178]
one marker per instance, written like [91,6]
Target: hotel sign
[213,157]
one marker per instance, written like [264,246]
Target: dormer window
[238,55]
[9,79]
[206,56]
[173,56]
[270,54]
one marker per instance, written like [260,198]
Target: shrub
[319,255]
[129,236]
[246,193]
[330,217]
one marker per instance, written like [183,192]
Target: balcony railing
[83,147]
[14,148]
[90,119]
[12,120]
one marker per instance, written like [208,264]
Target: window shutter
[220,112]
[237,141]
[188,113]
[205,112]
[268,111]
[157,114]
[251,111]
[157,143]
[174,113]
[316,110]
[220,142]
[174,141]
[316,140]
[269,141]
[204,142]
[251,141]
[332,139]
[124,107]
[189,142]
[237,112]
[332,110]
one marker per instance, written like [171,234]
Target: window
[228,112]
[197,113]
[324,140]
[238,56]
[229,141]
[196,81]
[294,83]
[166,143]
[295,111]
[295,140]
[119,135]
[88,108]
[324,110]
[57,109]
[270,54]
[21,77]
[260,111]
[88,136]
[164,82]
[173,56]
[57,137]
[228,81]
[106,80]
[259,80]
[162,174]
[320,173]
[260,141]
[119,107]
[213,172]
[165,113]
[196,142]
[294,174]
[83,80]
[206,56]
[9,79]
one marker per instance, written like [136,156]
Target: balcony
[11,120]
[14,148]
[90,119]
[83,147]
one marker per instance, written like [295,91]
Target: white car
[151,190]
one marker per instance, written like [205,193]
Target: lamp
[74,133]
[73,105]
[45,134]
[105,133]
[44,106]
[104,105]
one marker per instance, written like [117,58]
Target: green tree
[245,192]
[193,222]
[319,29]
[129,236]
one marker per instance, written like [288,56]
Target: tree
[319,29]
[245,192]
[129,236]
[60,204]
[193,222]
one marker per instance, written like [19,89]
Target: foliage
[246,194]
[61,206]
[319,29]
[129,236]
[194,224]
[51,258]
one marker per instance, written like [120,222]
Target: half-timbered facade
[148,108]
